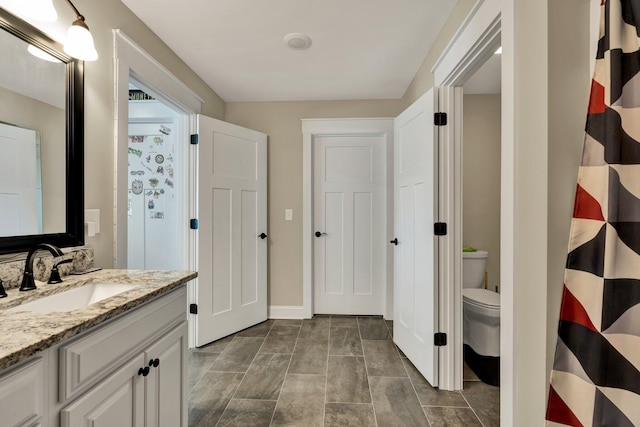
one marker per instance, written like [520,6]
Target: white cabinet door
[116,401]
[232,213]
[165,386]
[22,394]
[350,224]
[415,291]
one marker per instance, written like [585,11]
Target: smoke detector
[297,41]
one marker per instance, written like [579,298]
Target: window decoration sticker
[150,204]
[169,170]
[158,140]
[136,139]
[168,182]
[153,182]
[160,170]
[156,215]
[146,167]
[159,159]
[134,151]
[164,130]
[137,172]
[136,187]
[148,158]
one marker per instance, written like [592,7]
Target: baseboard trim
[286,312]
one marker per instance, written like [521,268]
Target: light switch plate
[93,215]
[288,214]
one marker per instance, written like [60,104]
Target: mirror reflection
[32,140]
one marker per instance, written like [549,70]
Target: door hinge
[193,308]
[440,119]
[440,228]
[193,223]
[439,339]
[194,139]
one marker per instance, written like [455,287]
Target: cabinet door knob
[154,362]
[143,371]
[394,241]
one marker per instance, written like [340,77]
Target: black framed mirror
[59,193]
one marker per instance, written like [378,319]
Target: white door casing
[350,213]
[416,254]
[232,213]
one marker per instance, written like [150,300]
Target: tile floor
[326,371]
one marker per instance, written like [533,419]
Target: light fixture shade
[79,42]
[39,10]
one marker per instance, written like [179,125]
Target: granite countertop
[27,333]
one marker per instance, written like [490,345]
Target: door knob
[318,234]
[394,241]
[262,236]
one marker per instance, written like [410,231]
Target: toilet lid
[481,297]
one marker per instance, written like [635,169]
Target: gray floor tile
[210,396]
[347,380]
[344,322]
[288,322]
[243,413]
[259,330]
[429,395]
[382,359]
[318,327]
[373,328]
[198,364]
[348,415]
[216,346]
[281,339]
[485,401]
[238,355]
[451,417]
[345,342]
[264,378]
[310,356]
[468,374]
[301,402]
[395,403]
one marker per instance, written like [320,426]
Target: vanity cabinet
[129,371]
[144,356]
[22,394]
[146,391]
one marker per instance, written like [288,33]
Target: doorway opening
[156,175]
[481,200]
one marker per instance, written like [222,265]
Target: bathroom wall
[281,121]
[481,179]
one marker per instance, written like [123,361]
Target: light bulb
[79,42]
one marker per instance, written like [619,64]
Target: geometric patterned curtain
[596,373]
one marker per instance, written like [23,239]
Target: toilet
[481,319]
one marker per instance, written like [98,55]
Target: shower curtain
[596,374]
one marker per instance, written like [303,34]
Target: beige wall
[29,113]
[568,96]
[281,121]
[423,80]
[102,17]
[481,179]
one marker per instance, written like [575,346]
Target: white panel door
[415,290]
[18,182]
[350,224]
[232,243]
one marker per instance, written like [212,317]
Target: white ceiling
[361,49]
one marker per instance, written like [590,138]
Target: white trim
[131,61]
[286,312]
[343,126]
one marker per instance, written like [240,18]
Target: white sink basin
[74,299]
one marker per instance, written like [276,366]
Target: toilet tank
[474,265]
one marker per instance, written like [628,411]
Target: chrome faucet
[28,284]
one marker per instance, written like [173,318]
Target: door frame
[343,127]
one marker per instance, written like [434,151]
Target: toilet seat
[483,298]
